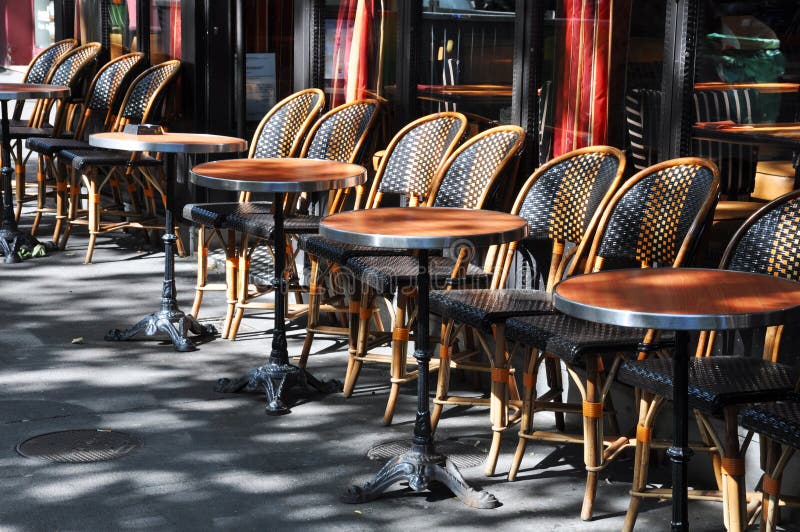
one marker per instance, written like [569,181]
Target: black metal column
[680,453]
[9,234]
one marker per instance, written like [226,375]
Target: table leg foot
[275,379]
[419,467]
[165,322]
[14,241]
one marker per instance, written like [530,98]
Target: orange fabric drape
[581,110]
[351,50]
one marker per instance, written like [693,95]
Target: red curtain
[175,29]
[351,50]
[581,107]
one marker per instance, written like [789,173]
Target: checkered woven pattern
[560,204]
[336,138]
[482,308]
[473,170]
[279,133]
[771,245]
[779,421]
[67,71]
[109,81]
[414,159]
[652,219]
[147,87]
[37,73]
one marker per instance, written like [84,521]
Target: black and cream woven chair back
[107,83]
[769,241]
[736,162]
[339,135]
[465,179]
[642,115]
[145,92]
[654,219]
[281,131]
[42,65]
[415,153]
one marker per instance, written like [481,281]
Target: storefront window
[165,31]
[122,14]
[466,63]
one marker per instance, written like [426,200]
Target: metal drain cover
[78,446]
[461,454]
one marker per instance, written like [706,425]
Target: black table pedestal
[680,453]
[170,319]
[11,238]
[278,374]
[422,464]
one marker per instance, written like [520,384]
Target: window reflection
[122,14]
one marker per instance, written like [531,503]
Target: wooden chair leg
[733,492]
[552,366]
[499,398]
[72,207]
[231,281]
[19,173]
[94,218]
[242,277]
[62,203]
[592,434]
[41,193]
[648,408]
[202,270]
[400,334]
[526,423]
[358,338]
[443,377]
[314,294]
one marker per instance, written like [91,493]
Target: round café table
[170,144]
[423,229]
[279,177]
[684,300]
[11,238]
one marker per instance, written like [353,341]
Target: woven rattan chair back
[69,71]
[564,198]
[145,93]
[414,155]
[654,219]
[466,178]
[339,134]
[280,133]
[105,88]
[42,65]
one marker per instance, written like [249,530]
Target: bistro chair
[97,113]
[70,70]
[97,167]
[463,181]
[653,220]
[780,422]
[720,385]
[562,202]
[38,71]
[406,170]
[339,135]
[279,134]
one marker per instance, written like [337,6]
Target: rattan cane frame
[333,137]
[280,133]
[144,93]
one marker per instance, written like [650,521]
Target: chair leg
[648,408]
[202,270]
[552,366]
[499,398]
[592,434]
[94,218]
[443,377]
[19,173]
[62,203]
[41,193]
[526,423]
[359,299]
[243,274]
[314,294]
[231,281]
[733,493]
[400,333]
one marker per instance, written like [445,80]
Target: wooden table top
[169,142]
[424,227]
[767,88]
[679,298]
[278,175]
[31,91]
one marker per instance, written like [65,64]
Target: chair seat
[385,274]
[482,308]
[716,381]
[80,159]
[257,219]
[569,338]
[779,421]
[209,214]
[51,146]
[340,252]
[25,132]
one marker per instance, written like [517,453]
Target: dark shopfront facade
[561,69]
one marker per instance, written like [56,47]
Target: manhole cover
[78,446]
[461,454]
